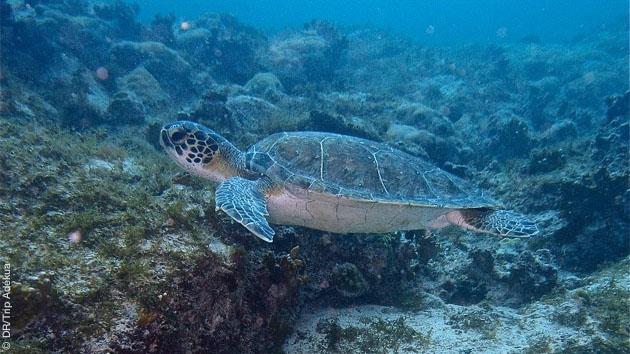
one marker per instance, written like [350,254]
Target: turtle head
[200,151]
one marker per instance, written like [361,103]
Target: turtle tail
[497,222]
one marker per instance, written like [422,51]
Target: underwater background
[107,246]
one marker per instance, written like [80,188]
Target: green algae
[109,189]
[539,346]
[410,301]
[610,304]
[606,302]
[377,336]
[598,310]
[477,319]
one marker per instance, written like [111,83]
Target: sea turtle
[334,183]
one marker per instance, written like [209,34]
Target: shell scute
[359,169]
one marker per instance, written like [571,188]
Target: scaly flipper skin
[243,200]
[497,222]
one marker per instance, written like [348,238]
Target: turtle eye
[177,137]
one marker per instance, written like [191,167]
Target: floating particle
[75,236]
[502,32]
[430,29]
[102,73]
[589,77]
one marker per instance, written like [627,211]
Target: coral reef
[163,63]
[220,42]
[308,56]
[117,250]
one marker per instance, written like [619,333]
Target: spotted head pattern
[188,142]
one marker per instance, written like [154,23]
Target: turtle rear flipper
[242,199]
[497,222]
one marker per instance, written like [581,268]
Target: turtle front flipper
[497,222]
[243,200]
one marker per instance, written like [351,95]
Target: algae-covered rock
[125,108]
[509,136]
[618,106]
[257,114]
[546,160]
[121,13]
[194,43]
[145,87]
[612,139]
[335,123]
[212,107]
[585,240]
[161,29]
[532,276]
[423,143]
[33,299]
[561,131]
[309,55]
[348,280]
[218,305]
[221,42]
[265,85]
[164,64]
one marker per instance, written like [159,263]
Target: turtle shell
[306,162]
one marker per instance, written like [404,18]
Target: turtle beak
[165,141]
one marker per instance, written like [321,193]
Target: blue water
[454,22]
